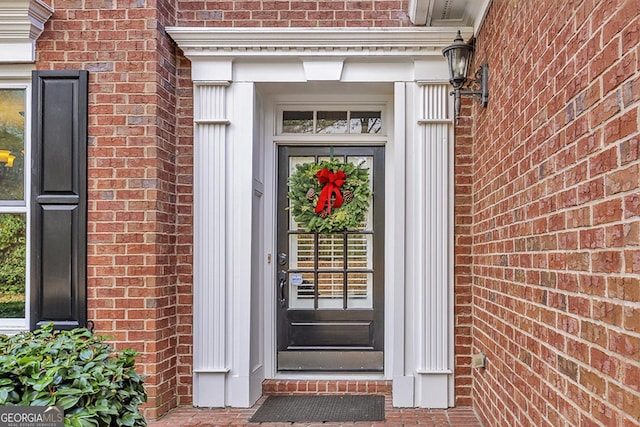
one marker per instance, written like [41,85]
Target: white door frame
[231,357]
[310,100]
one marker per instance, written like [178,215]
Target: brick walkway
[192,417]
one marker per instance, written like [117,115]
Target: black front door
[330,294]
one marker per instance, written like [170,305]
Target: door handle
[283,300]
[281,283]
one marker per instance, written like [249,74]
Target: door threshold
[330,376]
[331,361]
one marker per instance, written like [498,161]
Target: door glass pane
[328,159]
[297,121]
[359,251]
[359,290]
[301,251]
[330,290]
[13,231]
[301,290]
[12,144]
[332,122]
[365,122]
[330,251]
[366,162]
[319,262]
[293,162]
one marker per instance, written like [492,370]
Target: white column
[429,228]
[244,253]
[396,342]
[210,218]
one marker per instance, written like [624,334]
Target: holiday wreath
[329,196]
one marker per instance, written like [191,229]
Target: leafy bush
[76,370]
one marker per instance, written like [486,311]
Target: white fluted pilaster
[210,220]
[431,271]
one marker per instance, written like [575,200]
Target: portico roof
[448,13]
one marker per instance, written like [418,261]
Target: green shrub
[76,370]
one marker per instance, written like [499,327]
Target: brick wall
[463,220]
[132,179]
[184,228]
[293,13]
[556,206]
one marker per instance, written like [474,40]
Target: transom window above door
[342,122]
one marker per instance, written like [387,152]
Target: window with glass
[332,122]
[13,206]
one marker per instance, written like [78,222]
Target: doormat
[320,409]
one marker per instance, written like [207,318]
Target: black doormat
[320,409]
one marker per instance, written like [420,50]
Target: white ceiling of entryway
[448,13]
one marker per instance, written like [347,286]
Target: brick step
[297,387]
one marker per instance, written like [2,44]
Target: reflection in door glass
[359,294]
[330,290]
[13,230]
[301,251]
[365,122]
[301,290]
[365,162]
[328,159]
[293,162]
[359,253]
[297,121]
[12,144]
[13,226]
[332,122]
[330,251]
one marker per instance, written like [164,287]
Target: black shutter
[59,199]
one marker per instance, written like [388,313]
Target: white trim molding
[21,23]
[313,42]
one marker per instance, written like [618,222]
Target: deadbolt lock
[282,258]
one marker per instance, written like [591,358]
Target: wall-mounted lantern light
[459,57]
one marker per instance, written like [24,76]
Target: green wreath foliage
[304,191]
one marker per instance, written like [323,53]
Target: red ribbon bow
[332,182]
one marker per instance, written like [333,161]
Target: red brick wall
[463,260]
[184,229]
[556,209]
[132,179]
[293,13]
